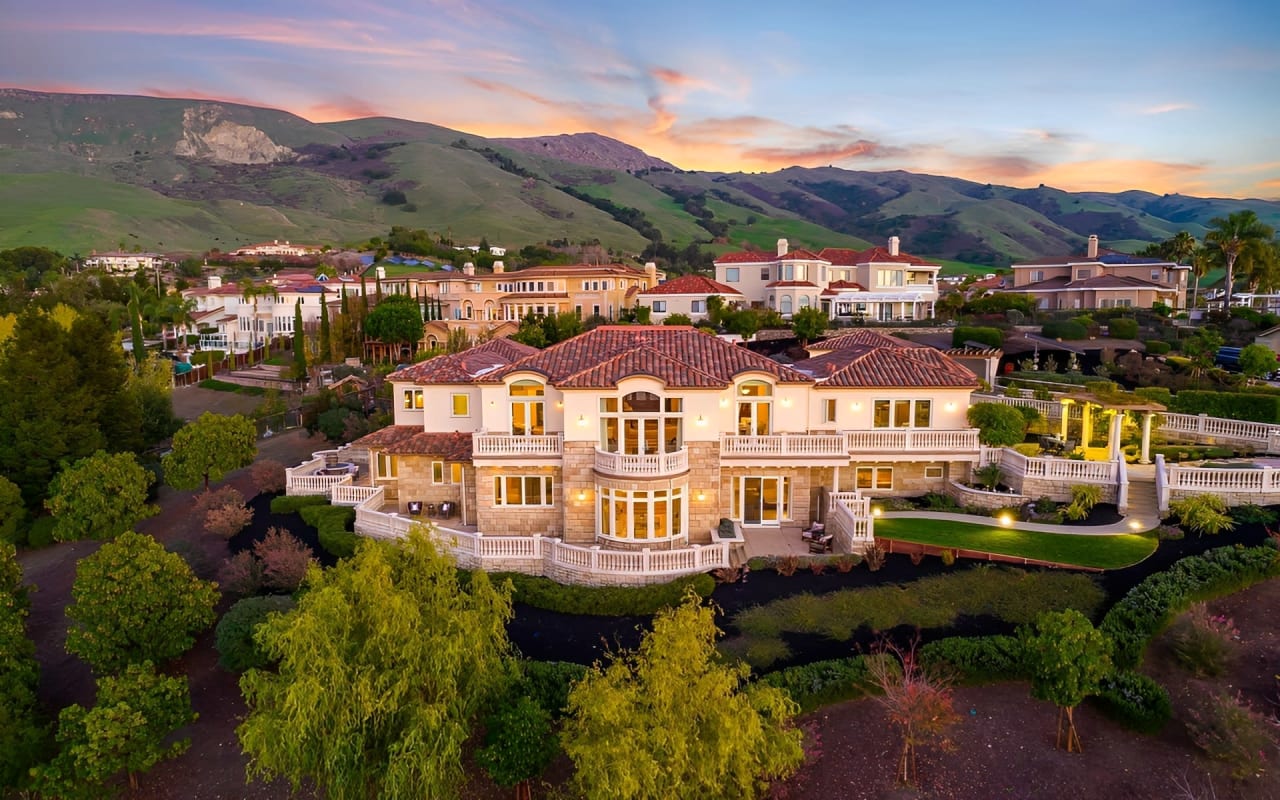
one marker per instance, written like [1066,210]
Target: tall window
[902,413]
[656,514]
[755,409]
[889,277]
[413,399]
[461,405]
[527,408]
[784,304]
[641,423]
[388,466]
[829,410]
[523,490]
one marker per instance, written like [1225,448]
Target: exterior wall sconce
[786,401]
[875,512]
[582,420]
[951,406]
[701,420]
[724,402]
[701,495]
[857,406]
[582,495]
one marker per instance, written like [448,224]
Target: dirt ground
[1004,743]
[190,402]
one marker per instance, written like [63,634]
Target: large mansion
[879,283]
[120,262]
[649,435]
[1101,279]
[234,319]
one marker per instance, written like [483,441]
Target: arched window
[527,411]
[784,304]
[804,301]
[755,409]
[641,423]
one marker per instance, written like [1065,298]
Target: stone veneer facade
[415,484]
[518,520]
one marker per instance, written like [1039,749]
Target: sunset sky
[1175,96]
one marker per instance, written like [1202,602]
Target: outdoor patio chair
[821,544]
[812,532]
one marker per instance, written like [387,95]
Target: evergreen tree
[104,381]
[20,732]
[299,344]
[326,345]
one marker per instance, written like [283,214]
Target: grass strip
[1104,551]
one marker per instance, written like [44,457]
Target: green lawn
[1083,550]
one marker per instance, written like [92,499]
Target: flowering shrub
[1204,642]
[268,476]
[227,521]
[216,498]
[285,560]
[1227,729]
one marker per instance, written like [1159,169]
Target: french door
[763,501]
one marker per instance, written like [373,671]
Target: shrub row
[1152,604]
[1123,328]
[823,682]
[992,337]
[976,659]
[1066,329]
[604,601]
[1135,701]
[1232,405]
[292,504]
[1156,394]
[334,525]
[1157,347]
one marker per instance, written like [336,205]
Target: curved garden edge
[900,546]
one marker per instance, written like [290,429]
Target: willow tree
[383,668]
[673,720]
[1067,659]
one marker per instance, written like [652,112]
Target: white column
[1146,437]
[1113,435]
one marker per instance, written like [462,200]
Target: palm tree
[250,292]
[1201,262]
[1240,234]
[176,310]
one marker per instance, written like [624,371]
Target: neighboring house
[879,283]
[126,263]
[646,436]
[1101,279]
[227,320]
[278,248]
[686,295]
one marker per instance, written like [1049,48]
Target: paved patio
[769,541]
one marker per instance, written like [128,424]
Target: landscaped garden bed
[1102,551]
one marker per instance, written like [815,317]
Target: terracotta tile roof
[836,287]
[746,257]
[465,366]
[677,355]
[844,257]
[691,284]
[861,338]
[405,440]
[864,363]
[800,254]
[806,284]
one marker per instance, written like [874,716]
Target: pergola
[1115,404]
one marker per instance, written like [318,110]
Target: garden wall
[967,496]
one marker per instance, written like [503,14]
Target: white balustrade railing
[637,464]
[1049,409]
[850,521]
[344,494]
[1210,480]
[1015,463]
[1202,425]
[502,444]
[783,444]
[906,440]
[314,484]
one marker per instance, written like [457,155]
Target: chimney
[215,281]
[783,247]
[1093,246]
[651,272]
[498,268]
[380,272]
[468,268]
[275,241]
[893,245]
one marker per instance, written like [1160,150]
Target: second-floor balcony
[912,440]
[503,445]
[884,443]
[642,465]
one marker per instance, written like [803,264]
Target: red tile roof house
[631,440]
[686,295]
[1101,278]
[879,283]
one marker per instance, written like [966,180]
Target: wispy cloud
[1167,108]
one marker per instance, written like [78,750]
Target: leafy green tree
[326,335]
[1202,349]
[125,731]
[133,601]
[677,319]
[208,449]
[13,514]
[1239,235]
[397,320]
[150,387]
[1067,659]
[20,732]
[99,497]
[383,668]
[744,322]
[135,308]
[998,425]
[531,332]
[1257,360]
[716,310]
[808,324]
[518,744]
[673,720]
[458,341]
[103,375]
[299,344]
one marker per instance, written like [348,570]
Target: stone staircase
[1142,501]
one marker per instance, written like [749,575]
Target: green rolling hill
[85,172]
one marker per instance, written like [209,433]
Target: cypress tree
[299,344]
[326,346]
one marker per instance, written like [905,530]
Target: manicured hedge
[1135,701]
[234,636]
[292,504]
[1232,405]
[1157,347]
[992,337]
[334,525]
[1156,394]
[823,682]
[605,601]
[1065,329]
[1123,328]
[977,659]
[547,683]
[1152,604]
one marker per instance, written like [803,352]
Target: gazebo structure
[1114,405]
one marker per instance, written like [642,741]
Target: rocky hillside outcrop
[206,135]
[590,149]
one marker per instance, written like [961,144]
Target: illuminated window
[388,466]
[461,405]
[413,399]
[902,413]
[874,477]
[523,490]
